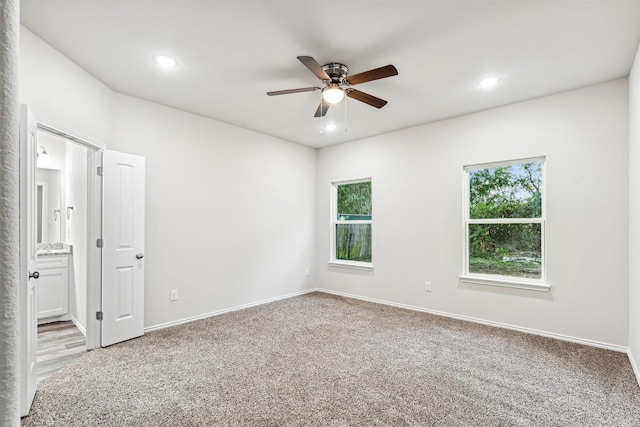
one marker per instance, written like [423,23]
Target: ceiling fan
[337,82]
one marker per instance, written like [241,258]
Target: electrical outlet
[306,273]
[174,295]
[427,286]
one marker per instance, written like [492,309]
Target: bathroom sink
[54,249]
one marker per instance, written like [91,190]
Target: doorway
[68,221]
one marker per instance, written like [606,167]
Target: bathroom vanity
[54,262]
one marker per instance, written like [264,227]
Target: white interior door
[123,251]
[28,260]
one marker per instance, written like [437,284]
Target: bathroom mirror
[50,185]
[48,205]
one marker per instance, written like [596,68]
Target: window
[351,224]
[504,224]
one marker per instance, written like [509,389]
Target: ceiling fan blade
[314,67]
[366,98]
[367,76]
[322,108]
[284,92]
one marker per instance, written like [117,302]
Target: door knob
[34,275]
[140,256]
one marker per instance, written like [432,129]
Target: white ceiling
[231,53]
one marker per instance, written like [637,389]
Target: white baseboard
[489,323]
[63,318]
[226,310]
[633,365]
[78,325]
[561,337]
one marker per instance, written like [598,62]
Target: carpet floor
[324,360]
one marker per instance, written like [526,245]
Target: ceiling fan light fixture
[333,93]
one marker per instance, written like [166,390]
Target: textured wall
[634,214]
[9,215]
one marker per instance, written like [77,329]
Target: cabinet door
[53,287]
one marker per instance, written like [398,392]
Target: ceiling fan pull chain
[321,113]
[345,113]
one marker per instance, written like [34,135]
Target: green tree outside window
[353,222]
[505,220]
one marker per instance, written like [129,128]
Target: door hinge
[100,171]
[100,243]
[99,315]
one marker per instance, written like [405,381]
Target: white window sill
[507,283]
[366,266]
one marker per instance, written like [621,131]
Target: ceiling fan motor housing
[338,72]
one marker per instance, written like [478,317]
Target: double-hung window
[351,224]
[504,224]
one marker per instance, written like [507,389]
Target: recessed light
[165,61]
[331,127]
[488,82]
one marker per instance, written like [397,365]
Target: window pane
[506,192]
[354,201]
[506,249]
[353,242]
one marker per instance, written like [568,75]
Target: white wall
[58,90]
[634,214]
[417,211]
[77,228]
[56,148]
[229,212]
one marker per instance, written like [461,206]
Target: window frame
[333,261]
[496,279]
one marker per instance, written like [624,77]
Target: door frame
[94,224]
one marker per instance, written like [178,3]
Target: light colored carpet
[323,360]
